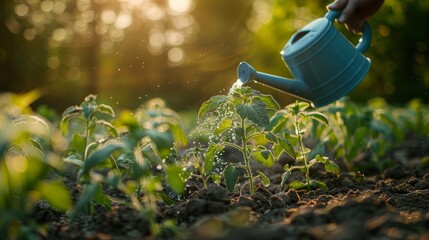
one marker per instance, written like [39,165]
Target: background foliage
[128,51]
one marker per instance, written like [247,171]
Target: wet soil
[389,201]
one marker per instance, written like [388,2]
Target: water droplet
[235,86]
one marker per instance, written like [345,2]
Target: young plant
[91,146]
[134,151]
[150,136]
[295,117]
[29,149]
[240,119]
[365,131]
[200,163]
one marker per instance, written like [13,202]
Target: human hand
[355,12]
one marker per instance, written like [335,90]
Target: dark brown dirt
[387,204]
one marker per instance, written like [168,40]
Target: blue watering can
[325,65]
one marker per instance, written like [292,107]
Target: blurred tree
[79,32]
[139,47]
[399,49]
[187,50]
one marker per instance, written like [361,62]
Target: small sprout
[242,117]
[296,116]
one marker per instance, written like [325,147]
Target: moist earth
[389,200]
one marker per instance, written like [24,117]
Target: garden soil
[389,200]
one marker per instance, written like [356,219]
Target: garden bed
[259,172]
[392,204]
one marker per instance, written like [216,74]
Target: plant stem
[304,155]
[202,167]
[150,213]
[88,122]
[343,133]
[247,158]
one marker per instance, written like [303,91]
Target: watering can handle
[364,41]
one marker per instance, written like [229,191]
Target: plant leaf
[321,159]
[264,178]
[67,114]
[222,126]
[109,126]
[187,172]
[106,109]
[174,178]
[287,147]
[77,143]
[271,137]
[210,156]
[297,185]
[278,121]
[265,157]
[179,134]
[318,117]
[56,194]
[211,104]
[99,156]
[216,178]
[70,111]
[230,174]
[239,131]
[269,101]
[332,167]
[285,177]
[74,159]
[101,198]
[88,108]
[277,150]
[84,200]
[255,112]
[318,184]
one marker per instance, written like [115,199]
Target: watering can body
[325,65]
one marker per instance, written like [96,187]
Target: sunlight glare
[176,55]
[108,16]
[124,20]
[59,7]
[135,2]
[59,34]
[47,6]
[154,13]
[174,38]
[180,6]
[83,5]
[29,34]
[21,10]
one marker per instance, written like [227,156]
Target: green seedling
[91,146]
[368,131]
[29,151]
[240,119]
[199,163]
[150,135]
[300,119]
[135,150]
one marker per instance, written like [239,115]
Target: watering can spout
[297,88]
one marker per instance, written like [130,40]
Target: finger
[348,12]
[337,5]
[356,24]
